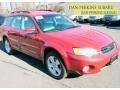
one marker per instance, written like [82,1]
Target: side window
[8,21]
[1,19]
[27,22]
[16,23]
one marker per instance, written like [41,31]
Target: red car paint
[90,38]
[63,42]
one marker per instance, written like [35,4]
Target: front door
[30,43]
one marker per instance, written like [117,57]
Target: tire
[7,47]
[54,65]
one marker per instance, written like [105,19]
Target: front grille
[108,48]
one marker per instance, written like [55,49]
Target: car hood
[81,37]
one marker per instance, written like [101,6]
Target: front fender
[62,51]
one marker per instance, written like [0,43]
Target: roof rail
[43,10]
[19,12]
[27,11]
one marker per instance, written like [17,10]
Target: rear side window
[8,21]
[16,23]
[2,19]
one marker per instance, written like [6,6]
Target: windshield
[116,17]
[54,22]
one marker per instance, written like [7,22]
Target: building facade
[7,7]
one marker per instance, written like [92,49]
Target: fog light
[86,69]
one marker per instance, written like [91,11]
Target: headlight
[85,51]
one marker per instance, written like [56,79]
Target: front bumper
[95,63]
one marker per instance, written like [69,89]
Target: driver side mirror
[30,30]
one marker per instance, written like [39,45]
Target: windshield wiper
[71,27]
[52,30]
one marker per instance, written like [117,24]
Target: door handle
[22,35]
[13,33]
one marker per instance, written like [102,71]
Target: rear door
[14,32]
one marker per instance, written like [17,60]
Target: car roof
[32,13]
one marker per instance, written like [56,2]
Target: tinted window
[27,22]
[2,19]
[8,21]
[16,23]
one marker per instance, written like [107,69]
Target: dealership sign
[91,8]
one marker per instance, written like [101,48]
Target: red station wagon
[62,45]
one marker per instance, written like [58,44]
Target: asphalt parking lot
[20,70]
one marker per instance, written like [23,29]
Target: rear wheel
[7,47]
[54,65]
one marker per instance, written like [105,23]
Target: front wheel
[55,66]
